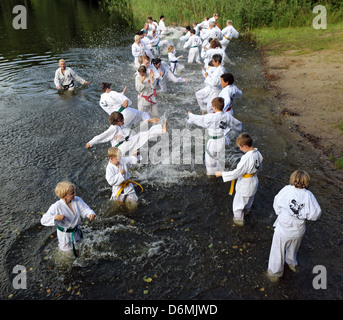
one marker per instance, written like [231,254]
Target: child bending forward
[293,205]
[124,138]
[245,173]
[117,176]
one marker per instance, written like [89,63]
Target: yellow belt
[226,38]
[122,186]
[245,175]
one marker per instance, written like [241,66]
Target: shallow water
[181,237]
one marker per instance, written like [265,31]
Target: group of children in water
[293,205]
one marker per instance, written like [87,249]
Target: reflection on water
[181,237]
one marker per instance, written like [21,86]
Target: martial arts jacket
[251,163]
[294,206]
[66,78]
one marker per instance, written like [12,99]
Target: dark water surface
[180,243]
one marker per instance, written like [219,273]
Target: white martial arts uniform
[218,125]
[125,139]
[213,80]
[146,101]
[186,36]
[207,55]
[197,31]
[113,101]
[202,94]
[293,207]
[116,180]
[204,25]
[214,33]
[228,33]
[66,80]
[175,65]
[194,43]
[71,221]
[145,41]
[246,188]
[229,93]
[163,28]
[166,75]
[153,26]
[138,50]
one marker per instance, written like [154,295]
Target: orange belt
[122,186]
[246,175]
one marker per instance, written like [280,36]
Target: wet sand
[309,88]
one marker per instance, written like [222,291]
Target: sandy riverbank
[310,90]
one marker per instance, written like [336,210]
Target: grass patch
[339,126]
[301,40]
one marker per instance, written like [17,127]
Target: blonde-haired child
[175,65]
[293,205]
[66,215]
[118,177]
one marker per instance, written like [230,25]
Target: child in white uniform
[245,173]
[122,137]
[218,125]
[228,32]
[175,65]
[145,85]
[202,94]
[162,74]
[193,43]
[66,214]
[112,101]
[293,205]
[212,81]
[118,177]
[229,91]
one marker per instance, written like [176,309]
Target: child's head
[137,38]
[217,59]
[171,48]
[300,179]
[64,188]
[156,62]
[188,28]
[142,70]
[116,118]
[192,31]
[244,139]
[229,22]
[215,43]
[226,79]
[114,154]
[218,104]
[105,85]
[195,24]
[144,60]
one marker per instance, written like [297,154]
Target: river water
[181,242]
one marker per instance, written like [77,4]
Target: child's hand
[118,137]
[125,103]
[88,146]
[122,171]
[91,217]
[59,217]
[218,174]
